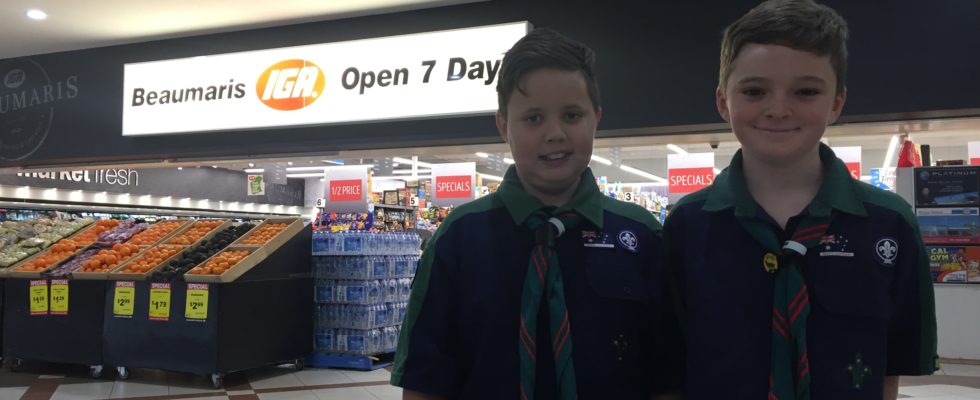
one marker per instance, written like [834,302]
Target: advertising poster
[953,186]
[954,264]
[949,225]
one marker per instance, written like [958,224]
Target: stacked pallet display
[362,285]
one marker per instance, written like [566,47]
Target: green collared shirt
[586,201]
[837,191]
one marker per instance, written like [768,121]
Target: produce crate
[262,318]
[118,274]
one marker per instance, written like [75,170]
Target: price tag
[197,301]
[629,197]
[59,297]
[159,301]
[320,203]
[122,303]
[39,297]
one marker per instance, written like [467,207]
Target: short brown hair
[545,48]
[798,24]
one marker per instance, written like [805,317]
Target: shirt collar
[586,201]
[837,191]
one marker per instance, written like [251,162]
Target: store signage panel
[851,156]
[949,225]
[688,173]
[453,184]
[345,189]
[446,73]
[973,151]
[954,264]
[947,186]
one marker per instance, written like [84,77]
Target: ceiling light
[482,154]
[306,168]
[508,160]
[641,173]
[289,163]
[890,154]
[251,165]
[601,160]
[337,162]
[304,175]
[180,168]
[255,171]
[214,166]
[676,149]
[36,14]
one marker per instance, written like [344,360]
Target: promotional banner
[973,151]
[851,155]
[953,186]
[688,173]
[256,186]
[453,184]
[954,264]
[345,189]
[447,73]
[949,225]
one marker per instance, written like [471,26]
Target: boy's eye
[753,92]
[533,118]
[808,92]
[573,116]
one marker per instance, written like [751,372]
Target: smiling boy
[817,285]
[545,289]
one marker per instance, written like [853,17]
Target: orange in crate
[195,233]
[151,259]
[220,263]
[58,251]
[264,234]
[156,232]
[108,259]
[91,234]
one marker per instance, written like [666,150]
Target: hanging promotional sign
[345,189]
[446,73]
[973,151]
[688,173]
[851,155]
[256,185]
[453,184]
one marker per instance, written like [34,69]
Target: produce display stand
[257,314]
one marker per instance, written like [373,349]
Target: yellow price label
[197,301]
[122,303]
[39,297]
[59,297]
[159,301]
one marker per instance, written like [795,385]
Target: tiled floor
[62,382]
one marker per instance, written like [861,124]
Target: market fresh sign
[399,77]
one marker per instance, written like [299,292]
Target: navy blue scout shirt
[872,307]
[460,335]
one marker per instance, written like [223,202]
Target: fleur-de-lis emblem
[887,250]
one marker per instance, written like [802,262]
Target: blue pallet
[351,361]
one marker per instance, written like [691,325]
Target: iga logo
[290,85]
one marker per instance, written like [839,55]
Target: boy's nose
[554,132]
[778,107]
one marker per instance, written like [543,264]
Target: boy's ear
[838,106]
[721,101]
[502,126]
[598,116]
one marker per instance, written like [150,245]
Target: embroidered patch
[597,240]
[886,251]
[628,240]
[858,371]
[834,246]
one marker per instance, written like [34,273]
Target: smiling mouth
[777,130]
[558,156]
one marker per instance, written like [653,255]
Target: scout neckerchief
[789,370]
[543,282]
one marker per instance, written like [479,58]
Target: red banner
[449,187]
[345,190]
[854,168]
[687,180]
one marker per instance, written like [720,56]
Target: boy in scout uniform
[797,281]
[545,289]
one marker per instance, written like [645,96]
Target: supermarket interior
[183,217]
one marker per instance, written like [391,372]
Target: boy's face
[779,101]
[550,128]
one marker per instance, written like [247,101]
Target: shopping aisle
[953,382]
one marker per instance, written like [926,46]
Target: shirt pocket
[855,287]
